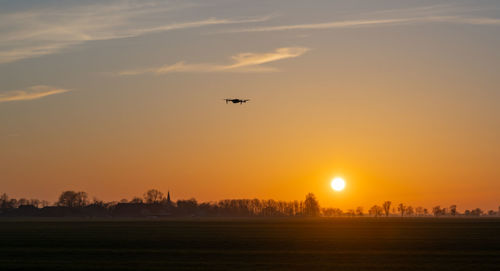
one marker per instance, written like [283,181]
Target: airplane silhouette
[236,101]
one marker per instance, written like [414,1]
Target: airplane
[235,101]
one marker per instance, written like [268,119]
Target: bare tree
[359,211]
[13,203]
[22,201]
[350,212]
[4,201]
[72,199]
[419,210]
[136,200]
[331,212]
[453,210]
[98,202]
[437,211]
[67,199]
[387,207]
[34,202]
[409,211]
[375,210]
[402,209]
[476,212]
[81,199]
[311,207]
[153,196]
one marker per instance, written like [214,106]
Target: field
[239,244]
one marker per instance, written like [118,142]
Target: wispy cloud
[31,93]
[325,25]
[244,62]
[33,33]
[475,21]
[371,23]
[440,13]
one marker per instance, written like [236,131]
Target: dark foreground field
[286,244]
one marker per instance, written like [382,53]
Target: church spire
[168,197]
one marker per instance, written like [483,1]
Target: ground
[251,244]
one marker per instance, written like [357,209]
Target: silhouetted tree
[359,211]
[66,199]
[476,212]
[98,203]
[311,207]
[409,211]
[331,212]
[387,207]
[23,201]
[402,209]
[255,206]
[269,208]
[350,212]
[72,199]
[34,202]
[81,199]
[4,201]
[375,210]
[136,200]
[153,196]
[453,210]
[187,206]
[13,203]
[419,211]
[437,211]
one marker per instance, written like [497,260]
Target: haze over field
[400,98]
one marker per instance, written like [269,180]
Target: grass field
[238,244]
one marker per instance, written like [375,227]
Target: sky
[400,98]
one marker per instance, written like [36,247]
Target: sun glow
[338,184]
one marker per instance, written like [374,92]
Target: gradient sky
[401,98]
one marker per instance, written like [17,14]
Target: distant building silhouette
[168,197]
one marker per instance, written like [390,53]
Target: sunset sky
[400,98]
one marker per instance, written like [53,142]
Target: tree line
[388,209]
[154,203]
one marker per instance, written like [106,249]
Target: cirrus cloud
[370,23]
[44,31]
[243,62]
[31,93]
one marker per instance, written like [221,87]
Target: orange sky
[131,99]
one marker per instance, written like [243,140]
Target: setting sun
[338,184]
